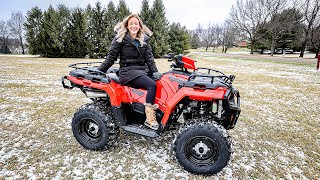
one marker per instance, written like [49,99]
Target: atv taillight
[233,99]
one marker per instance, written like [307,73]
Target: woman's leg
[145,82]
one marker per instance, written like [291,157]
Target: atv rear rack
[88,68]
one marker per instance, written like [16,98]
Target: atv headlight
[234,99]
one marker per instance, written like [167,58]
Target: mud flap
[118,115]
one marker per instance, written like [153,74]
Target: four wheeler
[206,99]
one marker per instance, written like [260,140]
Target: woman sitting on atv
[136,61]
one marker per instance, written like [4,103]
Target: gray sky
[187,12]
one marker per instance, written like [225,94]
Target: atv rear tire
[93,127]
[203,147]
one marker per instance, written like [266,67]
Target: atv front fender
[194,94]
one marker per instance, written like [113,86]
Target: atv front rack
[209,70]
[224,79]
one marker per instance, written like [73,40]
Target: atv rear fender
[113,90]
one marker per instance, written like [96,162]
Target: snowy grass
[277,135]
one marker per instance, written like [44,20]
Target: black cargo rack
[91,69]
[224,79]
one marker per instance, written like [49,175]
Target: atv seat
[114,77]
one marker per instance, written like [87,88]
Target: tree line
[88,32]
[266,24]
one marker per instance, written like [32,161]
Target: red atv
[206,99]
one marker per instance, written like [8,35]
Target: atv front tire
[93,127]
[203,147]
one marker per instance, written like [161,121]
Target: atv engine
[200,108]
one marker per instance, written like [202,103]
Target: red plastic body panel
[168,94]
[188,63]
[193,94]
[114,90]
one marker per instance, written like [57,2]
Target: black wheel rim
[201,151]
[89,130]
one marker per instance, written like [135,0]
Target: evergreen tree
[178,38]
[315,40]
[194,40]
[75,43]
[111,21]
[145,13]
[159,26]
[5,50]
[97,31]
[291,38]
[88,36]
[32,27]
[50,44]
[123,10]
[282,31]
[63,15]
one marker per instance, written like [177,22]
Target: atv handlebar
[169,56]
[179,64]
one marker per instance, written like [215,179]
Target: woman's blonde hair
[122,27]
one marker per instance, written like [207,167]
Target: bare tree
[250,16]
[216,35]
[311,13]
[16,27]
[4,35]
[217,30]
[227,37]
[206,35]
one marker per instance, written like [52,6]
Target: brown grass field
[277,135]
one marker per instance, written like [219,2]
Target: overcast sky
[187,12]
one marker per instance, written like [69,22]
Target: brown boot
[151,121]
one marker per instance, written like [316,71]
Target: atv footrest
[141,130]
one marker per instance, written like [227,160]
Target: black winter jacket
[134,61]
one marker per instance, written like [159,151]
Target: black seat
[114,77]
[113,70]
